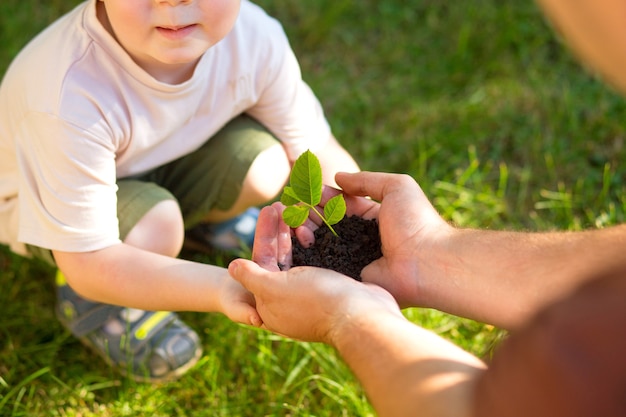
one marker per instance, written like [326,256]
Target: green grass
[477,100]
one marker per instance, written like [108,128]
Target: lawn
[478,100]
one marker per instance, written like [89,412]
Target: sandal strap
[148,325]
[140,331]
[93,319]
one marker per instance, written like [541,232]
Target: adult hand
[401,366]
[304,303]
[411,232]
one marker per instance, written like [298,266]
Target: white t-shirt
[77,113]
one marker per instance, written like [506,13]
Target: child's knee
[267,175]
[264,180]
[160,230]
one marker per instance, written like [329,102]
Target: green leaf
[294,216]
[304,192]
[335,209]
[306,179]
[289,197]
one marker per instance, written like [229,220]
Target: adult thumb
[242,270]
[375,272]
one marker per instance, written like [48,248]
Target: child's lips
[176,32]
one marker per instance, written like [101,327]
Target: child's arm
[334,158]
[125,275]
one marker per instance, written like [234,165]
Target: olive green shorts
[209,178]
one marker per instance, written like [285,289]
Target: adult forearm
[504,277]
[406,370]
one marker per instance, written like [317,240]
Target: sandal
[147,346]
[231,235]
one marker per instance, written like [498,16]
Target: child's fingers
[283,239]
[246,314]
[329,192]
[266,239]
[305,236]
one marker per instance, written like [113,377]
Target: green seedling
[304,193]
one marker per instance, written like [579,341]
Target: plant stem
[324,220]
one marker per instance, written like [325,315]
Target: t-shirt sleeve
[67,188]
[569,361]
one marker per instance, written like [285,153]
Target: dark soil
[358,245]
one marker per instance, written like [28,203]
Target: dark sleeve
[569,361]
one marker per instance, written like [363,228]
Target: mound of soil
[358,245]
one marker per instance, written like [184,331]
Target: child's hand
[272,239]
[238,304]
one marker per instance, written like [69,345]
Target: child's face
[167,37]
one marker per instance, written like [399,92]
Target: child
[126,125]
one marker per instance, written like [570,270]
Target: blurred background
[478,100]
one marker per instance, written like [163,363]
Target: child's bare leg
[160,230]
[265,179]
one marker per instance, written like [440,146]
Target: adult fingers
[249,274]
[372,184]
